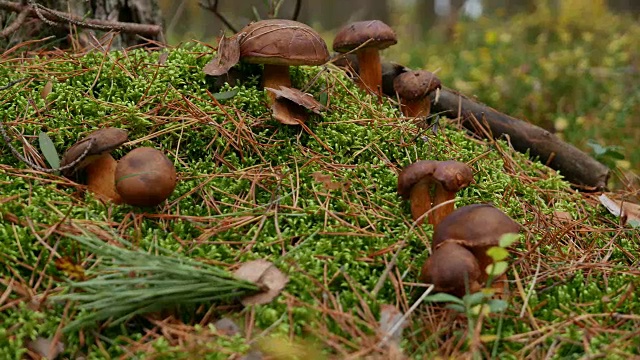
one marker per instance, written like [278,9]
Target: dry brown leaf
[563,216]
[298,97]
[264,274]
[45,347]
[287,113]
[227,56]
[46,90]
[327,182]
[628,212]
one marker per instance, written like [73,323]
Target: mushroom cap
[416,84]
[357,33]
[105,140]
[447,267]
[474,226]
[453,175]
[145,177]
[282,42]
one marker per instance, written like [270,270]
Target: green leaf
[456,307]
[444,297]
[497,305]
[323,98]
[225,95]
[49,150]
[497,253]
[508,239]
[497,269]
[474,299]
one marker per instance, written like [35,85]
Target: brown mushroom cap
[357,33]
[416,84]
[282,42]
[145,177]
[104,141]
[447,268]
[477,227]
[453,175]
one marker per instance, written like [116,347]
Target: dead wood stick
[61,18]
[576,166]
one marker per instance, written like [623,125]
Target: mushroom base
[420,108]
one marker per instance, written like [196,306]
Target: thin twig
[11,28]
[59,18]
[214,9]
[296,10]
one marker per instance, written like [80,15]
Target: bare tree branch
[10,29]
[59,18]
[213,7]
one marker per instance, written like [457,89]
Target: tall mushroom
[413,88]
[477,228]
[98,163]
[368,38]
[415,183]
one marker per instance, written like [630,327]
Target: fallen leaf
[227,56]
[45,347]
[227,326]
[391,323]
[162,59]
[563,216]
[69,268]
[46,90]
[628,212]
[298,97]
[264,274]
[326,181]
[287,113]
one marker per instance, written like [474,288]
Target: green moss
[237,166]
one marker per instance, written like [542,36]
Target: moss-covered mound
[319,201]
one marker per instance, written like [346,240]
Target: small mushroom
[368,37]
[98,163]
[450,268]
[476,227]
[415,183]
[413,88]
[145,177]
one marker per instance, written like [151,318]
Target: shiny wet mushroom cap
[450,268]
[476,227]
[145,177]
[413,88]
[278,44]
[368,37]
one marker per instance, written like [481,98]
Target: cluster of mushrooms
[143,177]
[458,263]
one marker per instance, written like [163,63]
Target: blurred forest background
[570,66]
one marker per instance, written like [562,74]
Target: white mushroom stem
[370,69]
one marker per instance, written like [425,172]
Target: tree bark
[146,12]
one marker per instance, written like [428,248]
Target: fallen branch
[576,166]
[61,18]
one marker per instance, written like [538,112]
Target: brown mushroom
[368,37]
[477,227]
[98,163]
[413,88]
[416,181]
[145,177]
[450,268]
[278,44]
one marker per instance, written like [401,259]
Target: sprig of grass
[133,282]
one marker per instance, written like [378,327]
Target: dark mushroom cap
[416,84]
[447,268]
[474,225]
[104,141]
[145,177]
[282,42]
[453,175]
[357,33]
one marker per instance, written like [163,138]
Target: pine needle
[133,282]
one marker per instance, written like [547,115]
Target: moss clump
[247,189]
